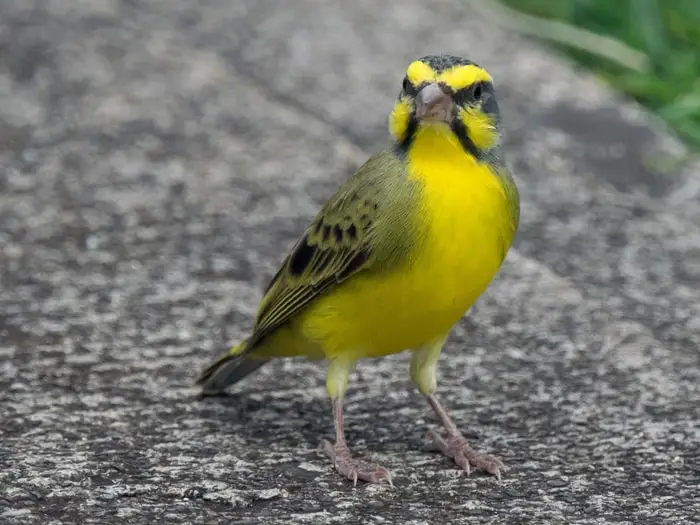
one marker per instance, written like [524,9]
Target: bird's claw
[457,448]
[353,469]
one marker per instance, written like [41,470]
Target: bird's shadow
[262,417]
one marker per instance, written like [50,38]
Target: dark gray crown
[442,62]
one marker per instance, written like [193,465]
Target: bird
[397,256]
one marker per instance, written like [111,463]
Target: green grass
[667,31]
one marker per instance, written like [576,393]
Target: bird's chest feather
[464,217]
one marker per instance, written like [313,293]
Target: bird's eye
[407,86]
[477,91]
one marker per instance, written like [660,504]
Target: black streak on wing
[321,264]
[301,257]
[337,245]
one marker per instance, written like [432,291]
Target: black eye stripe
[490,105]
[466,94]
[408,88]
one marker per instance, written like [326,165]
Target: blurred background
[654,58]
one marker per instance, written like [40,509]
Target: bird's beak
[433,104]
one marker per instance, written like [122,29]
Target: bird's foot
[352,469]
[457,448]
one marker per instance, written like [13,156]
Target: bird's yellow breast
[460,235]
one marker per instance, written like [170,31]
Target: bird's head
[448,95]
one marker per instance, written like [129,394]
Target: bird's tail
[228,369]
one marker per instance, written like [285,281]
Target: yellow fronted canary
[397,255]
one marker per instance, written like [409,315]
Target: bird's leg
[338,452]
[454,445]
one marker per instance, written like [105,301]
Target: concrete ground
[158,158]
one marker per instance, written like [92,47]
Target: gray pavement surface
[158,158]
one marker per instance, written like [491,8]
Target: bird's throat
[436,146]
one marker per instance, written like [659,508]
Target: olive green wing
[510,191]
[337,245]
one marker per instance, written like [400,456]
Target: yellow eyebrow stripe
[457,77]
[419,72]
[460,77]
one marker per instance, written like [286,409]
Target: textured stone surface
[158,156]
